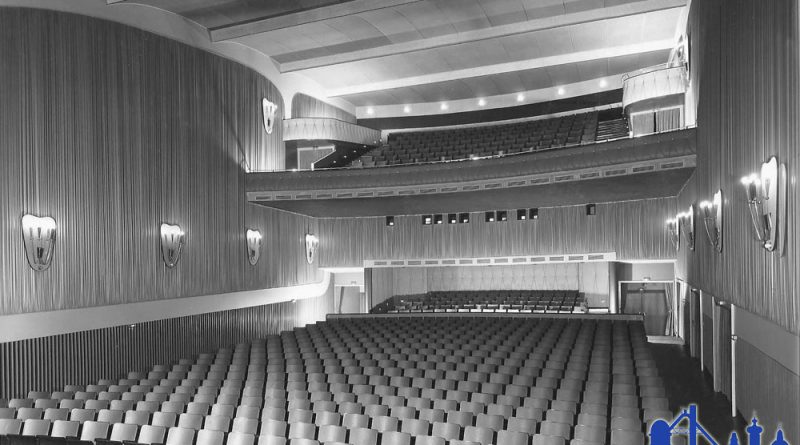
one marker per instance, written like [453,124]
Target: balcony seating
[534,301]
[404,381]
[493,140]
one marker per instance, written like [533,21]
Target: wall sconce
[674,232]
[686,221]
[172,240]
[311,247]
[766,200]
[253,238]
[39,236]
[269,110]
[712,219]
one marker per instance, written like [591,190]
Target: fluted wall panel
[112,130]
[767,389]
[49,363]
[304,105]
[633,229]
[745,70]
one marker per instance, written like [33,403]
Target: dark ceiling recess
[496,114]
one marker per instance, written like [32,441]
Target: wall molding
[489,261]
[768,337]
[44,324]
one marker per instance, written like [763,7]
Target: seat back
[10,426]
[124,432]
[36,427]
[65,428]
[94,430]
[180,436]
[210,437]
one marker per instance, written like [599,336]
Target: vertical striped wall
[111,131]
[307,106]
[745,68]
[49,363]
[632,229]
[766,388]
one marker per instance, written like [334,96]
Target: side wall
[632,229]
[745,72]
[111,131]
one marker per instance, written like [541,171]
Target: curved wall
[304,105]
[112,130]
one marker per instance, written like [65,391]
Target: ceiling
[623,188]
[384,53]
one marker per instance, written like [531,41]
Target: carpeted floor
[685,384]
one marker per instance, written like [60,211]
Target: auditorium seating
[404,380]
[497,140]
[530,301]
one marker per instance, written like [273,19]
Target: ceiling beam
[267,24]
[577,18]
[509,67]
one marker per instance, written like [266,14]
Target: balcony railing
[653,82]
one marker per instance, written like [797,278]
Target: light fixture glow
[407,109]
[766,200]
[561,91]
[39,237]
[172,240]
[311,247]
[520,97]
[687,226]
[370,111]
[269,110]
[444,106]
[253,238]
[674,232]
[603,83]
[712,220]
[481,102]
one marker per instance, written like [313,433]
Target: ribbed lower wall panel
[49,363]
[767,389]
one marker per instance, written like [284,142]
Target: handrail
[651,69]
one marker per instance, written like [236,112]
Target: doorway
[723,360]
[654,300]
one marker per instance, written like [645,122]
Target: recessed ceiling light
[603,83]
[560,91]
[370,111]
[406,109]
[444,106]
[481,102]
[520,97]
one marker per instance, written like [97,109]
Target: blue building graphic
[662,431]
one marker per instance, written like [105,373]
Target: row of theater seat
[486,301]
[495,140]
[403,381]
